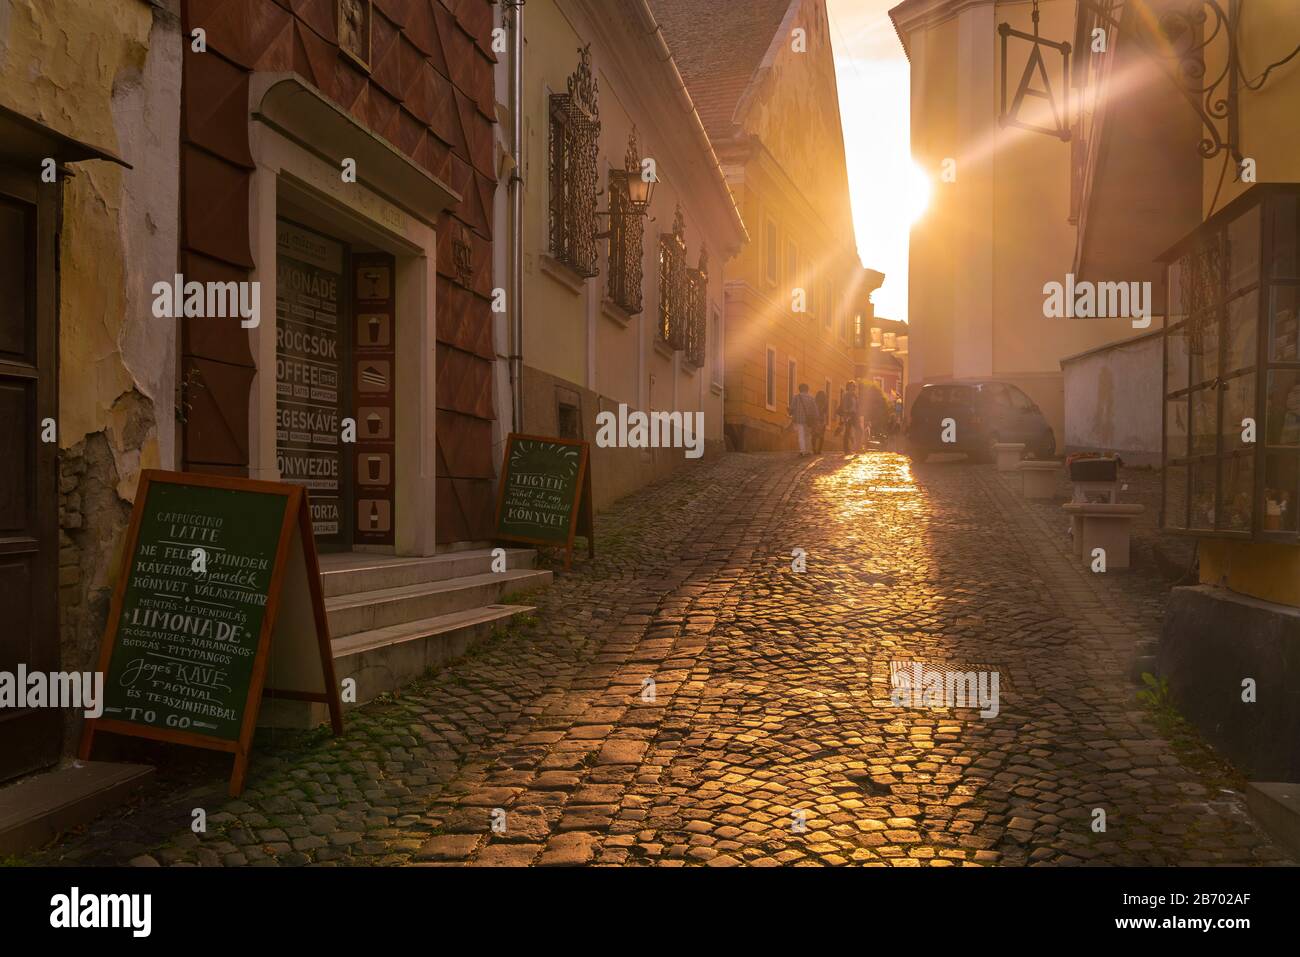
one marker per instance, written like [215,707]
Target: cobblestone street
[769,704]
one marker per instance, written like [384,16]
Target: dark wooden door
[29,634]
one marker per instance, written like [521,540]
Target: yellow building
[1110,145]
[1001,224]
[621,306]
[88,221]
[1231,367]
[763,76]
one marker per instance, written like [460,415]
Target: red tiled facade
[429,92]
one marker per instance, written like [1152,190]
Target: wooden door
[29,637]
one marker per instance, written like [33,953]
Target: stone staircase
[391,619]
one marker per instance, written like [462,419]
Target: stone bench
[1105,525]
[1008,455]
[1038,479]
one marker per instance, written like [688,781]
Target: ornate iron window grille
[626,235]
[575,134]
[672,284]
[697,311]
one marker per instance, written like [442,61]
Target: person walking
[823,416]
[847,413]
[804,412]
[865,406]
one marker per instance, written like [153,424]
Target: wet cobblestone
[690,699]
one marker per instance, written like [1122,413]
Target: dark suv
[983,413]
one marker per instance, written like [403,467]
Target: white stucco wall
[1112,400]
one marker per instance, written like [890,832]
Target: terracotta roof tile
[718,48]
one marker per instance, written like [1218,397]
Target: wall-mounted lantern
[635,192]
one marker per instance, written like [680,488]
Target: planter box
[1094,470]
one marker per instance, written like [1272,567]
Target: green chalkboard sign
[207,560]
[545,492]
[192,614]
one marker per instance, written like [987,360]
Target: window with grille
[575,134]
[697,302]
[625,236]
[673,288]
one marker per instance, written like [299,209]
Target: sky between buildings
[888,190]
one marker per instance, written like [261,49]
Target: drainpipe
[515,9]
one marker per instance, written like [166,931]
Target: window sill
[664,349]
[616,313]
[563,274]
[715,388]
[689,367]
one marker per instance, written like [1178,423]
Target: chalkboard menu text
[207,566]
[545,493]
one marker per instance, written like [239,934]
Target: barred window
[575,133]
[673,290]
[625,235]
[697,300]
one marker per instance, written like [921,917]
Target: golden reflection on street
[869,479]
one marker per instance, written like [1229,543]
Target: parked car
[984,412]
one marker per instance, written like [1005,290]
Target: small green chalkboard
[545,492]
[186,648]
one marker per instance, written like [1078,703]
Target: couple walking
[811,414]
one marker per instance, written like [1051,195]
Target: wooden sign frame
[297,521]
[581,517]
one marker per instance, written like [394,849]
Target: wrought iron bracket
[1184,36]
[1189,33]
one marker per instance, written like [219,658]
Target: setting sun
[913,200]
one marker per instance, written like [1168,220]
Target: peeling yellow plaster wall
[59,61]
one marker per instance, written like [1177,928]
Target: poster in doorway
[310,388]
[374,358]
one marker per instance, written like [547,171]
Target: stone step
[385,659]
[37,809]
[352,572]
[1275,805]
[351,614]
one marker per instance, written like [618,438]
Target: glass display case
[1232,372]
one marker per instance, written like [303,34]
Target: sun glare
[915,196]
